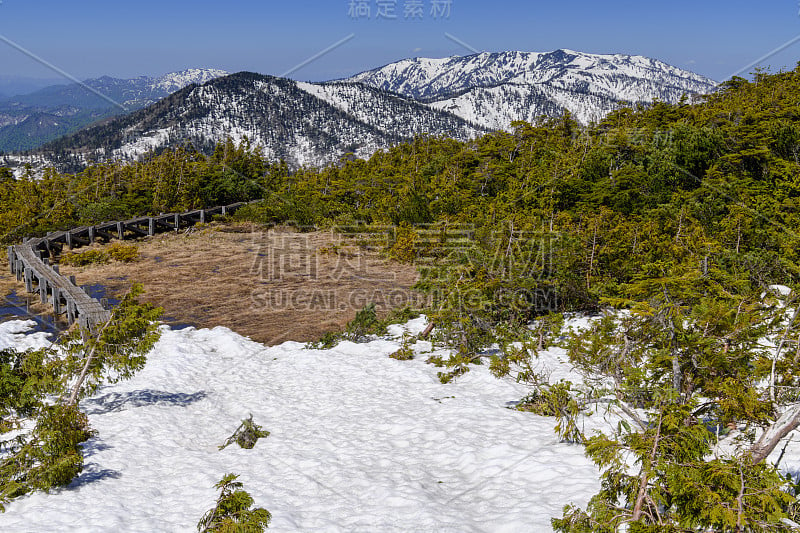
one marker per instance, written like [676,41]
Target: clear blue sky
[89,38]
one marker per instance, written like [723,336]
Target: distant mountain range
[317,123]
[494,89]
[302,123]
[28,121]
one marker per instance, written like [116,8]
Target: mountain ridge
[30,120]
[608,80]
[298,122]
[318,123]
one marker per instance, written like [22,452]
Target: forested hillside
[684,216]
[718,179]
[300,123]
[29,121]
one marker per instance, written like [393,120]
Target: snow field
[359,442]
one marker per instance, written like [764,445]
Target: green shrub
[246,435]
[233,513]
[405,353]
[124,253]
[25,378]
[558,401]
[365,323]
[87,257]
[404,248]
[49,457]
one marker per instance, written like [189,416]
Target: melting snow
[360,442]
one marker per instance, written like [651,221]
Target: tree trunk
[640,497]
[76,389]
[788,422]
[777,354]
[591,258]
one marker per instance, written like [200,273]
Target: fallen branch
[788,422]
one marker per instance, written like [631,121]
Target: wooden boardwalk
[30,261]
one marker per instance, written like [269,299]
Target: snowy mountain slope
[174,81]
[28,121]
[314,124]
[300,123]
[127,92]
[589,85]
[359,443]
[497,107]
[368,105]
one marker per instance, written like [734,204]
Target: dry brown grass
[271,285]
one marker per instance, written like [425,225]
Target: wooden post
[202,216]
[28,282]
[20,269]
[91,235]
[68,236]
[70,312]
[177,221]
[121,231]
[151,227]
[56,301]
[55,269]
[104,303]
[73,280]
[43,290]
[224,210]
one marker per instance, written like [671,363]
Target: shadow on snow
[115,401]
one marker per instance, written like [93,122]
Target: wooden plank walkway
[30,261]
[53,288]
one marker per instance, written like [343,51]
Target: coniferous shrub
[365,323]
[50,456]
[405,353]
[246,435]
[232,512]
[404,248]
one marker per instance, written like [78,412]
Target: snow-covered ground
[359,442]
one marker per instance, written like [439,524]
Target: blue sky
[146,37]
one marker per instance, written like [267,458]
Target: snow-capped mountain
[318,123]
[493,89]
[174,81]
[301,123]
[30,120]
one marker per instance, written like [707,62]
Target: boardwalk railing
[30,261]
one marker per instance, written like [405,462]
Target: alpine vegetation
[42,389]
[630,283]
